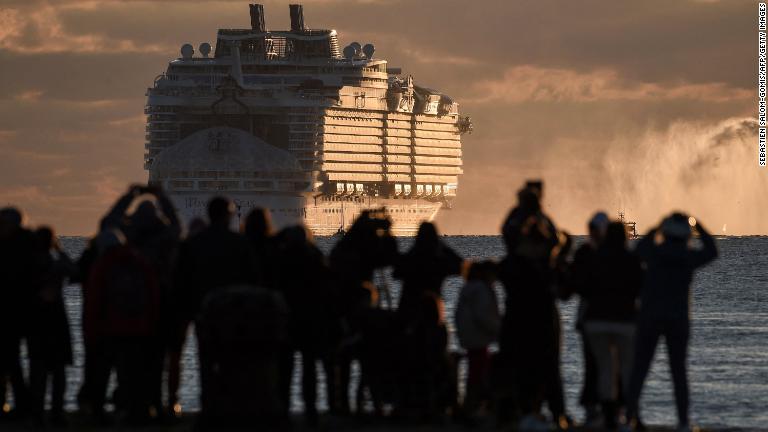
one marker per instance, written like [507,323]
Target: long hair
[427,238]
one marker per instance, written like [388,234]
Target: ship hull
[324,216]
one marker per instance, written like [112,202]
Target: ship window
[257,184]
[181,184]
[218,185]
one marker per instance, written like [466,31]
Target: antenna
[187,51]
[368,50]
[205,49]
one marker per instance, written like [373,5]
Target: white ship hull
[322,216]
[281,120]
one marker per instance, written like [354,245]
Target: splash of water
[709,171]
[706,169]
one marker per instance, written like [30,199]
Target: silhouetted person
[17,257]
[581,274]
[241,333]
[477,326]
[609,317]
[257,228]
[423,269]
[367,246]
[49,342]
[214,258]
[526,217]
[530,336]
[302,276]
[179,327]
[100,358]
[153,231]
[196,225]
[425,385]
[425,266]
[665,304]
[121,318]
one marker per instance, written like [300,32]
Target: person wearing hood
[478,322]
[581,274]
[670,263]
[609,317]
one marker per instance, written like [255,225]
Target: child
[50,348]
[477,326]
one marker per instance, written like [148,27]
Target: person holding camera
[670,263]
[529,342]
[366,247]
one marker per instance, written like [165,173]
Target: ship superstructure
[289,121]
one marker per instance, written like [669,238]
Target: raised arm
[166,206]
[645,244]
[114,217]
[709,250]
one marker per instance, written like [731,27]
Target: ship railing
[167,126]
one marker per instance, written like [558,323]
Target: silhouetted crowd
[256,299]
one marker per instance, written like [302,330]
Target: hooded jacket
[669,273]
[477,315]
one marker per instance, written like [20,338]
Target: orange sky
[643,106]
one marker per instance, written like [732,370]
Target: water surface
[728,362]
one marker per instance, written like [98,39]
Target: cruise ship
[288,120]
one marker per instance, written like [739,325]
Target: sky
[643,107]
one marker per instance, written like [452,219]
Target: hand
[135,190]
[151,189]
[699,227]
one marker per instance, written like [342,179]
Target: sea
[728,357]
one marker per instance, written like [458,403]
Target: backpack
[122,298]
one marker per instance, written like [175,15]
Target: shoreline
[187,422]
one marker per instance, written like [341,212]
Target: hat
[599,222]
[676,226]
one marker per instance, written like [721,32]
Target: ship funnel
[297,17]
[257,18]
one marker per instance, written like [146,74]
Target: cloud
[40,30]
[29,96]
[539,84]
[6,135]
[553,88]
